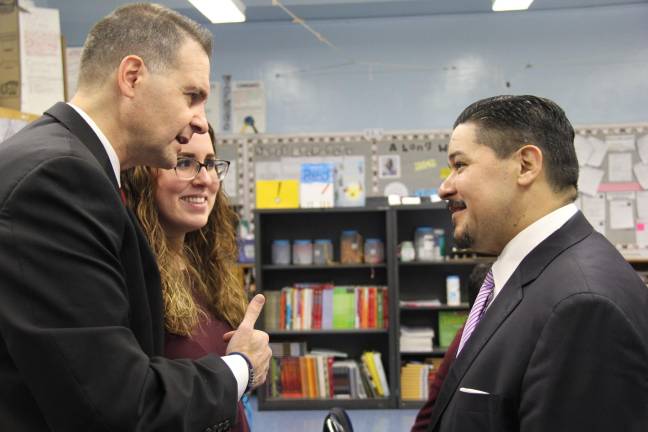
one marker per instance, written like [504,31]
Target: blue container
[281,252]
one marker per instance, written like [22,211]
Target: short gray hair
[151,31]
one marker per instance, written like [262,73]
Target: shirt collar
[112,155]
[525,241]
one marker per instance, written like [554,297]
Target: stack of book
[416,378]
[325,306]
[416,339]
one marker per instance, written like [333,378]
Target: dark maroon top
[206,338]
[422,421]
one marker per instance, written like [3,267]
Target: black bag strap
[337,420]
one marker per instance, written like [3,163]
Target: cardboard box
[31,63]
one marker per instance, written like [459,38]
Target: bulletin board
[411,164]
[613,183]
[613,159]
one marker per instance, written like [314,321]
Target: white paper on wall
[620,143]
[584,149]
[642,205]
[621,195]
[41,62]
[593,209]
[641,172]
[599,151]
[642,148]
[620,167]
[641,232]
[72,63]
[589,179]
[248,107]
[621,214]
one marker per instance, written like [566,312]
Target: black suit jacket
[81,313]
[563,347]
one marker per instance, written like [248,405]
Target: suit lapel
[575,230]
[71,119]
[506,301]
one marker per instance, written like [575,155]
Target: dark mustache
[454,203]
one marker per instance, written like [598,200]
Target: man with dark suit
[81,320]
[557,339]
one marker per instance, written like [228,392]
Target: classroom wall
[420,72]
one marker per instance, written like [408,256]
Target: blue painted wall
[420,72]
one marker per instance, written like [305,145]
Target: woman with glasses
[191,228]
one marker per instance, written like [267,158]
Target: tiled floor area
[311,421]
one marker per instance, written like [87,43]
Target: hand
[253,343]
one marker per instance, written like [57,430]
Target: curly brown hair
[208,267]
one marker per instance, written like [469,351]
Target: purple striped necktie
[478,309]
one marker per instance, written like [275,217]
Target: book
[327,307]
[344,308]
[272,310]
[369,360]
[449,323]
[382,376]
[341,381]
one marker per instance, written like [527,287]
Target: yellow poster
[277,194]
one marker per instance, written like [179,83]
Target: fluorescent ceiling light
[511,5]
[221,11]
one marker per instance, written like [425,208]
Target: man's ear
[531,161]
[129,74]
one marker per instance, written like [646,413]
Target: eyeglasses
[188,168]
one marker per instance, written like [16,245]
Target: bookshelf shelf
[349,332]
[446,263]
[412,404]
[463,306]
[336,266]
[434,352]
[323,404]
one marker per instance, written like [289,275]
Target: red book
[385,307]
[373,307]
[329,371]
[317,307]
[290,380]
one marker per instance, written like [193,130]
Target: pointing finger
[253,311]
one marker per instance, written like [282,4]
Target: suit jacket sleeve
[588,371]
[65,314]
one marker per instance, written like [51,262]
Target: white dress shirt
[235,362]
[112,155]
[523,243]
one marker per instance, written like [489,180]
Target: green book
[344,307]
[449,323]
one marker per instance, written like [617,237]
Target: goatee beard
[464,241]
